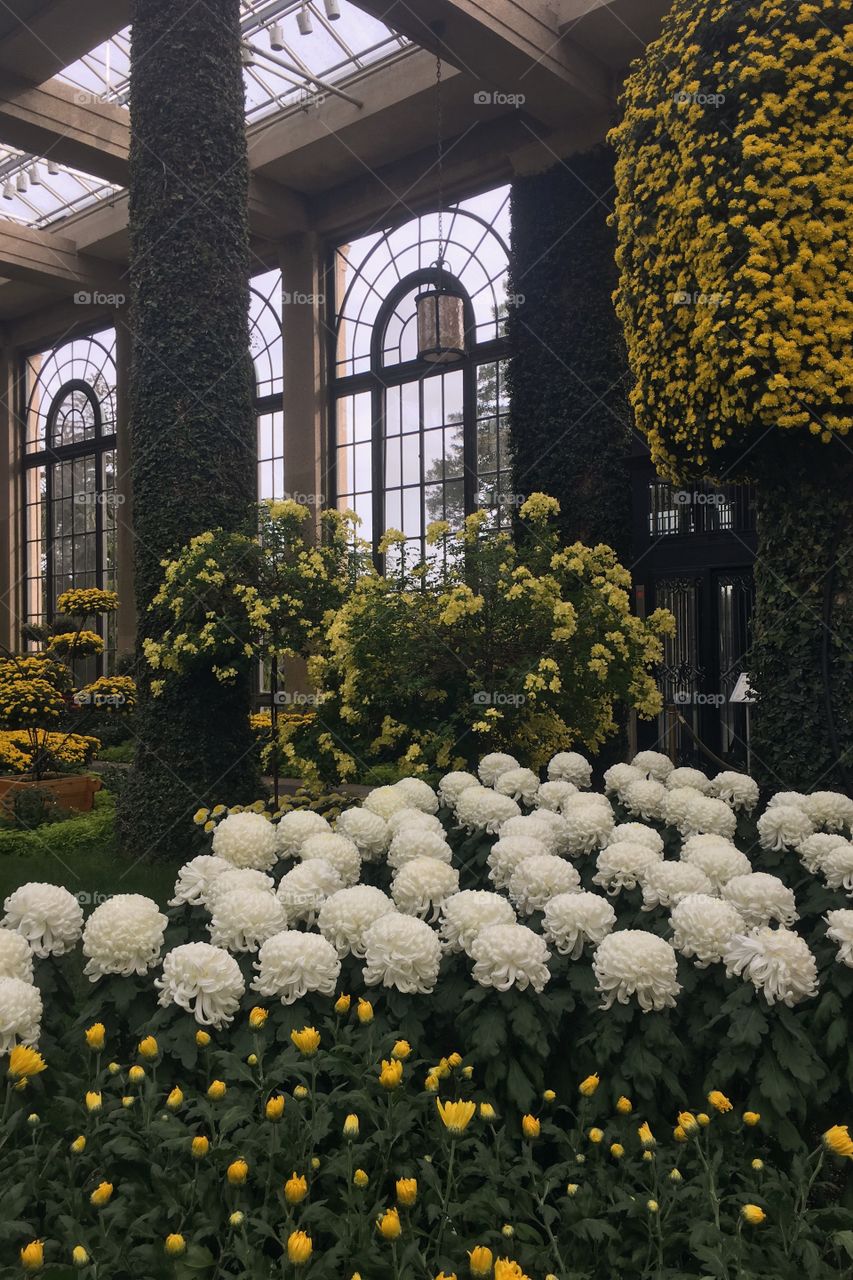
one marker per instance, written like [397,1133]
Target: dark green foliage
[191,412]
[570,425]
[801,662]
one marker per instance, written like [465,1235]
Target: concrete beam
[49,36]
[66,125]
[507,46]
[616,31]
[45,258]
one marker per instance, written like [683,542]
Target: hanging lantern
[441,322]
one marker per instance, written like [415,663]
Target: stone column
[11,550]
[304,342]
[126,635]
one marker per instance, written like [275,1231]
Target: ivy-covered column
[734,291]
[191,421]
[570,423]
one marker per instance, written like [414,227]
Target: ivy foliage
[192,423]
[570,424]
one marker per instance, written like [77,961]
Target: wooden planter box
[73,792]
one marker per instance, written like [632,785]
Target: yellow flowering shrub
[733,225]
[492,645]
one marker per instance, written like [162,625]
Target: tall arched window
[415,442]
[265,344]
[69,474]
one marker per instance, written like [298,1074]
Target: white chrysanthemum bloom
[387,800]
[452,785]
[401,951]
[341,852]
[737,789]
[654,764]
[814,849]
[421,887]
[570,766]
[693,814]
[531,825]
[482,809]
[634,963]
[20,1013]
[48,916]
[247,840]
[775,961]
[559,839]
[703,927]
[295,827]
[204,980]
[195,878]
[291,964]
[572,920]
[646,799]
[760,898]
[829,809]
[508,853]
[414,818]
[369,833]
[687,777]
[637,833]
[840,931]
[510,955]
[304,889]
[553,795]
[623,865]
[346,916]
[589,824]
[16,957]
[783,826]
[521,784]
[466,914]
[235,880]
[666,883]
[795,798]
[493,765]
[123,935]
[619,777]
[720,861]
[419,794]
[703,840]
[539,879]
[242,920]
[837,868]
[417,842]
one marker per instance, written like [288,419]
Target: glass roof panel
[319,52]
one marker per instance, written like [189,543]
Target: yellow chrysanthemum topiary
[731,164]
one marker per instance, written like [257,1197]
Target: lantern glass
[441,326]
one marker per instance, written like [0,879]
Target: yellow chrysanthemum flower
[237,1172]
[175,1245]
[101,1195]
[391,1075]
[588,1086]
[753,1214]
[25,1062]
[307,1041]
[455,1116]
[838,1140]
[96,1036]
[299,1248]
[407,1191]
[719,1101]
[389,1226]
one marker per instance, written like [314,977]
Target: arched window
[265,344]
[415,442]
[69,474]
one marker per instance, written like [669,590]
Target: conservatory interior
[426,639]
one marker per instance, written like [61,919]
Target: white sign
[742,692]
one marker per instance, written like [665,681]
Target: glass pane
[392,462]
[362,463]
[411,406]
[412,512]
[392,411]
[411,459]
[433,408]
[393,509]
[453,391]
[453,451]
[433,454]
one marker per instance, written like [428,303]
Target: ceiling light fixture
[52,168]
[21,182]
[276,34]
[303,21]
[8,191]
[247,56]
[35,175]
[333,10]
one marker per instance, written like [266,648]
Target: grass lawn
[81,854]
